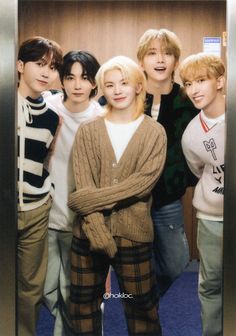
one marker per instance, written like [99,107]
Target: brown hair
[169,41]
[35,48]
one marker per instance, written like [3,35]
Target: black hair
[37,47]
[88,63]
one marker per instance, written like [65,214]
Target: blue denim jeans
[171,250]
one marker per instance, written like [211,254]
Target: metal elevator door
[8,202]
[229,250]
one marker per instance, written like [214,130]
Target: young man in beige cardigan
[117,160]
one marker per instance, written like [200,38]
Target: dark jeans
[171,248]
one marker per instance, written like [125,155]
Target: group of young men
[101,183]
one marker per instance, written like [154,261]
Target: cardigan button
[114,164]
[115,181]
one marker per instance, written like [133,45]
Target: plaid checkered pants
[136,277]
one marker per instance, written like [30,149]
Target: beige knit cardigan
[114,198]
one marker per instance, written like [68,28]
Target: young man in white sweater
[74,106]
[203,146]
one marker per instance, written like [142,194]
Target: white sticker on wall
[212,45]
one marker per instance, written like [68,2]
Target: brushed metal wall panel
[229,262]
[8,201]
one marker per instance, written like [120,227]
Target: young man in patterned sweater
[203,145]
[38,63]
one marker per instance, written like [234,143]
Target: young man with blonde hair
[203,145]
[158,54]
[117,160]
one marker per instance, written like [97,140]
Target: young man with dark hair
[74,106]
[38,63]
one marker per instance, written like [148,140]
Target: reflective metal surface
[8,33]
[229,263]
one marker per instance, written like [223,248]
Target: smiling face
[203,78]
[158,63]
[204,92]
[36,76]
[119,91]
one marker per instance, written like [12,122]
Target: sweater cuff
[100,238]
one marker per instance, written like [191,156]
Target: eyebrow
[162,49]
[200,77]
[120,81]
[194,79]
[46,60]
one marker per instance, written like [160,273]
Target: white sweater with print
[204,150]
[60,165]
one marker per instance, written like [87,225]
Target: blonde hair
[201,65]
[130,72]
[168,39]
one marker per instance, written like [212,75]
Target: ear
[138,88]
[20,66]
[94,86]
[220,82]
[140,63]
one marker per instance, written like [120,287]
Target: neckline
[129,145]
[205,126]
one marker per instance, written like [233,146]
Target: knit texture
[204,151]
[98,234]
[112,198]
[175,112]
[37,125]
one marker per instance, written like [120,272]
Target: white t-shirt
[155,111]
[60,166]
[120,134]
